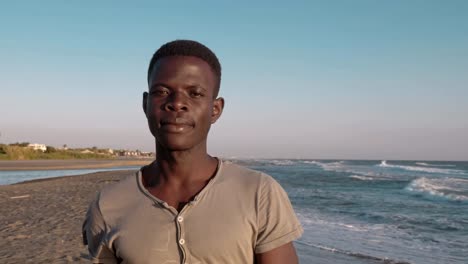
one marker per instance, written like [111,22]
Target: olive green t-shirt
[239,213]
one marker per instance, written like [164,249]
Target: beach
[41,219]
[351,211]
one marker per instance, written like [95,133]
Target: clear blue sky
[312,79]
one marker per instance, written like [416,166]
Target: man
[187,206]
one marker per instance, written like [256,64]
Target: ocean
[377,211]
[15,176]
[363,211]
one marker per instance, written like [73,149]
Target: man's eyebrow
[191,86]
[195,86]
[158,84]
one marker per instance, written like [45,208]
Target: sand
[40,221]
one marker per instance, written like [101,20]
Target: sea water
[11,177]
[377,211]
[363,211]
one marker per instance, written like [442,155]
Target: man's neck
[182,167]
[177,176]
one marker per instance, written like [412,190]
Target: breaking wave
[283,162]
[328,166]
[362,178]
[384,163]
[434,165]
[448,188]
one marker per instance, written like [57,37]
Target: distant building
[131,153]
[35,146]
[147,154]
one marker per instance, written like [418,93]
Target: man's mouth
[176,125]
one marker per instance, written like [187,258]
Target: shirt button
[181,241]
[180,219]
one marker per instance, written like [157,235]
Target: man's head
[188,48]
[181,102]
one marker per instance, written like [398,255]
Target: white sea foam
[330,166]
[360,172]
[283,162]
[310,162]
[348,236]
[448,188]
[362,178]
[422,164]
[278,162]
[318,220]
[358,256]
[434,165]
[384,164]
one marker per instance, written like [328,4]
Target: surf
[424,168]
[452,189]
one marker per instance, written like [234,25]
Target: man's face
[180,105]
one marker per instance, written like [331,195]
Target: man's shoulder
[119,193]
[230,167]
[237,173]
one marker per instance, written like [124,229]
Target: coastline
[70,164]
[42,218]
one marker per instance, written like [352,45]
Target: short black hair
[183,47]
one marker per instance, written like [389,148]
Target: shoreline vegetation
[28,151]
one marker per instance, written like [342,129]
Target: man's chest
[208,232]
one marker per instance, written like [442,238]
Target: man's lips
[177,121]
[176,125]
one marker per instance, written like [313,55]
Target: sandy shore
[40,221]
[69,164]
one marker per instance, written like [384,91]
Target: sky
[312,79]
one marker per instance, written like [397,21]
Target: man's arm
[94,236]
[285,254]
[278,226]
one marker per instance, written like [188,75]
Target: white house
[35,146]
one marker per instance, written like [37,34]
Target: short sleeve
[94,235]
[277,222]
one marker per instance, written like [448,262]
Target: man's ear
[218,106]
[145,101]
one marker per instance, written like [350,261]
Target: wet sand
[40,221]
[70,164]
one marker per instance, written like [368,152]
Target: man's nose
[176,102]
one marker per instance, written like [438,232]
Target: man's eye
[196,94]
[160,92]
